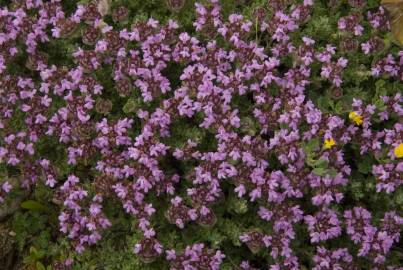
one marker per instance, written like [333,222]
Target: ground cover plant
[201,135]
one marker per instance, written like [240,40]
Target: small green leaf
[239,206]
[399,198]
[32,250]
[321,163]
[319,171]
[379,84]
[311,145]
[364,165]
[310,160]
[339,108]
[130,106]
[40,266]
[323,103]
[332,172]
[33,205]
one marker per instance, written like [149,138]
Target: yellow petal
[329,143]
[352,115]
[356,118]
[399,151]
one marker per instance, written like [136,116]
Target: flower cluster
[333,259]
[81,220]
[190,121]
[195,257]
[351,24]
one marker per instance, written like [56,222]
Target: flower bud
[124,86]
[67,27]
[175,5]
[103,106]
[120,14]
[91,35]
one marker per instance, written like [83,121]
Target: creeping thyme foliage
[270,138]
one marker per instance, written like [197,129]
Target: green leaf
[33,205]
[365,165]
[130,106]
[319,171]
[323,103]
[399,197]
[40,266]
[339,108]
[32,250]
[311,145]
[379,84]
[239,206]
[332,172]
[310,160]
[321,163]
[36,254]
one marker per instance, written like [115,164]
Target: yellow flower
[356,118]
[329,143]
[399,151]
